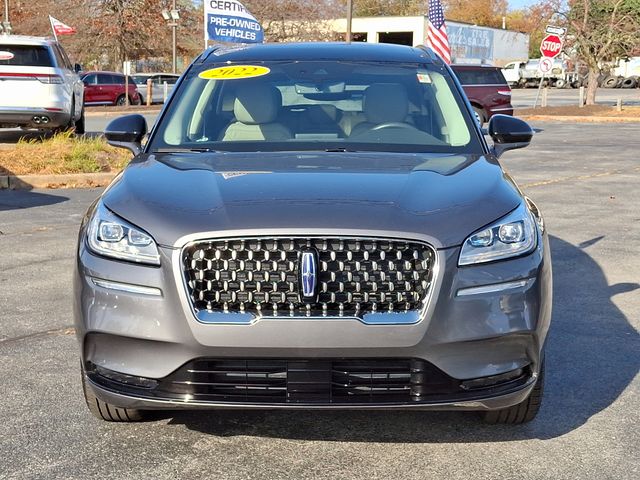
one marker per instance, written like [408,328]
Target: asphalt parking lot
[585,178]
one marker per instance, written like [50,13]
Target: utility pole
[349,20]
[6,24]
[172,16]
[175,39]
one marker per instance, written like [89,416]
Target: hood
[442,198]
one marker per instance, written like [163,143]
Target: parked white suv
[39,87]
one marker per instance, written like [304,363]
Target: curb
[579,119]
[120,114]
[69,180]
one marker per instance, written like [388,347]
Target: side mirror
[77,68]
[509,133]
[127,132]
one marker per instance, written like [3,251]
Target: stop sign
[551,46]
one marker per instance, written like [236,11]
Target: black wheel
[522,412]
[610,82]
[106,411]
[79,126]
[480,115]
[120,102]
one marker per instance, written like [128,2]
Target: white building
[469,43]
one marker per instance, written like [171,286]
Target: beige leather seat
[256,108]
[383,103]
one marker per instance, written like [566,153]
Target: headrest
[228,101]
[257,103]
[386,102]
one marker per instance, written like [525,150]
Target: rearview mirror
[509,133]
[77,68]
[127,132]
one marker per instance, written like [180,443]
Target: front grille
[355,276]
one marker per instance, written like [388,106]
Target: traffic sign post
[550,48]
[546,65]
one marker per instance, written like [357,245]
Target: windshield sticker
[6,55]
[234,72]
[423,77]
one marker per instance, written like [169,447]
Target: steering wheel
[383,126]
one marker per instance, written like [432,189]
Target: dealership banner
[230,21]
[469,42]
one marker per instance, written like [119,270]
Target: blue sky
[520,3]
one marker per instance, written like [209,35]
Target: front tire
[106,411]
[480,115]
[524,411]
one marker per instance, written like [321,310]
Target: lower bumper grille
[309,382]
[299,381]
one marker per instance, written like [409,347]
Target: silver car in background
[39,86]
[161,85]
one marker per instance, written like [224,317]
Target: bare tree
[111,31]
[294,20]
[600,31]
[374,8]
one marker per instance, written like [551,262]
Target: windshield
[140,79]
[316,105]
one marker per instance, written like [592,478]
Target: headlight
[510,236]
[112,236]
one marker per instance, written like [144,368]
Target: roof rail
[427,50]
[205,55]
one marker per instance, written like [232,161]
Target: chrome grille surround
[237,280]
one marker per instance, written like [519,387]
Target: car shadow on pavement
[592,354]
[20,199]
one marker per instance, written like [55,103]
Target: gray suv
[314,226]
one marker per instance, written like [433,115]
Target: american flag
[437,39]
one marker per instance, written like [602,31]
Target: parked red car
[487,90]
[108,88]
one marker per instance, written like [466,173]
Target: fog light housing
[121,378]
[493,380]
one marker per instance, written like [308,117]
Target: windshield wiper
[183,150]
[338,150]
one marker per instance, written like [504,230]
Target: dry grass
[62,153]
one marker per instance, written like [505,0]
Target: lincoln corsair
[314,226]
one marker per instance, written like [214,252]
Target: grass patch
[62,153]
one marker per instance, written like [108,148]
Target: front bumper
[494,402]
[469,336]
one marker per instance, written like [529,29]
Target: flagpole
[55,35]
[349,21]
